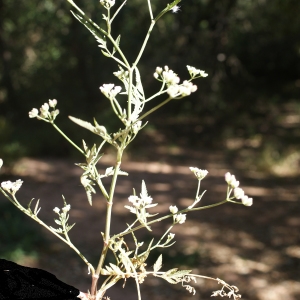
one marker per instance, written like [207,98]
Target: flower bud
[52,103]
[33,113]
[66,208]
[247,201]
[56,210]
[238,193]
[173,209]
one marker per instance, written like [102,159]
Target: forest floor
[256,248]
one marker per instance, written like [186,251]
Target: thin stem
[155,95]
[115,14]
[118,50]
[110,202]
[150,9]
[198,189]
[102,188]
[74,5]
[109,212]
[145,42]
[68,139]
[129,95]
[157,244]
[154,109]
[169,216]
[15,202]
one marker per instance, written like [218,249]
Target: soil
[256,248]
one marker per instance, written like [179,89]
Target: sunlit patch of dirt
[255,248]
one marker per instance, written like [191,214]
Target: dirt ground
[255,248]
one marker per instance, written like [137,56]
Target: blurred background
[244,118]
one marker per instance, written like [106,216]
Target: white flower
[33,113]
[194,72]
[52,103]
[173,209]
[180,218]
[122,74]
[247,201]
[1,163]
[45,107]
[238,193]
[140,202]
[56,210]
[54,113]
[203,73]
[66,208]
[230,179]
[170,77]
[175,9]
[6,185]
[200,174]
[11,187]
[173,91]
[136,126]
[106,88]
[116,90]
[187,88]
[44,110]
[158,70]
[110,90]
[171,236]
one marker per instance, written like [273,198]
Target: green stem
[129,95]
[15,202]
[108,214]
[154,109]
[169,216]
[198,189]
[155,95]
[68,139]
[158,243]
[150,10]
[118,50]
[144,43]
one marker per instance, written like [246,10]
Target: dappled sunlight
[250,247]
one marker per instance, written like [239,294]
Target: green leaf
[158,264]
[92,28]
[118,44]
[144,192]
[82,123]
[105,53]
[36,210]
[57,221]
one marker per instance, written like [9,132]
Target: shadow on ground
[255,248]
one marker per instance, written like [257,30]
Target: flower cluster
[177,218]
[110,90]
[63,219]
[196,73]
[11,187]
[45,113]
[122,74]
[185,89]
[171,79]
[200,174]
[238,192]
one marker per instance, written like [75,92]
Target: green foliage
[19,238]
[250,48]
